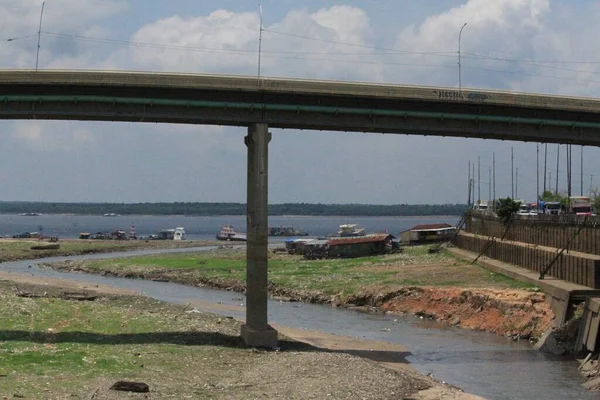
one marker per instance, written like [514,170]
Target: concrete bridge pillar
[256,331]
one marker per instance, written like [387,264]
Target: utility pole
[591,179]
[473,181]
[570,169]
[557,163]
[545,164]
[517,184]
[469,182]
[37,54]
[537,174]
[494,177]
[478,179]
[459,69]
[260,39]
[512,173]
[489,184]
[581,170]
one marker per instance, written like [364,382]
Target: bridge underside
[313,112]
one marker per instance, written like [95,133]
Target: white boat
[228,233]
[179,233]
[347,230]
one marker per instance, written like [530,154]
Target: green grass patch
[414,267]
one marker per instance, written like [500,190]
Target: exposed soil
[509,312]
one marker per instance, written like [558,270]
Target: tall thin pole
[545,164]
[459,66]
[591,180]
[37,55]
[581,170]
[512,173]
[478,179]
[569,169]
[473,181]
[557,161]
[494,176]
[517,183]
[469,182]
[260,40]
[489,183]
[537,174]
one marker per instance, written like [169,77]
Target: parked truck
[552,208]
[579,205]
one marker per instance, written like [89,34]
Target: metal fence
[554,231]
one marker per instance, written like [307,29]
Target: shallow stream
[484,364]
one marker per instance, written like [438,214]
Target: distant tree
[595,198]
[506,209]
[554,197]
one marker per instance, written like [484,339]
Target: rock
[455,321]
[137,387]
[592,384]
[549,344]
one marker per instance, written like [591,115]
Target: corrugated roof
[429,226]
[377,237]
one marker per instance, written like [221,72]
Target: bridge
[296,104]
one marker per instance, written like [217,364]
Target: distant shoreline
[233,215]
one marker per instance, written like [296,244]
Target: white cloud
[227,42]
[53,135]
[137,160]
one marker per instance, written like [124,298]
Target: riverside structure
[260,103]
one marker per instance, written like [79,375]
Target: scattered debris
[78,296]
[50,246]
[24,293]
[125,386]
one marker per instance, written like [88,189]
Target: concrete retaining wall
[579,268]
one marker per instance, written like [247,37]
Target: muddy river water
[483,364]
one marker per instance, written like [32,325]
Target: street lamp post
[459,70]
[37,54]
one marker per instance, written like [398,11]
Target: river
[197,228]
[484,364]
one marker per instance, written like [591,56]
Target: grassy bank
[55,349]
[335,277]
[21,249]
[437,285]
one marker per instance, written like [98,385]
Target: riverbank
[21,249]
[77,349]
[436,286]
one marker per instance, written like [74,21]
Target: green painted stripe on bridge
[301,109]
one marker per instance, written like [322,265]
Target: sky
[540,46]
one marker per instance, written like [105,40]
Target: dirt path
[390,356]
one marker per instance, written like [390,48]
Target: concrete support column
[256,331]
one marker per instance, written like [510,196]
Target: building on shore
[427,233]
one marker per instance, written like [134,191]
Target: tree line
[214,209]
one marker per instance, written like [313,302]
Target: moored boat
[348,230]
[228,233]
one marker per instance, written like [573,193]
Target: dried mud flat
[206,359]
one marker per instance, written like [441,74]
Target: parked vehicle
[482,205]
[579,205]
[552,208]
